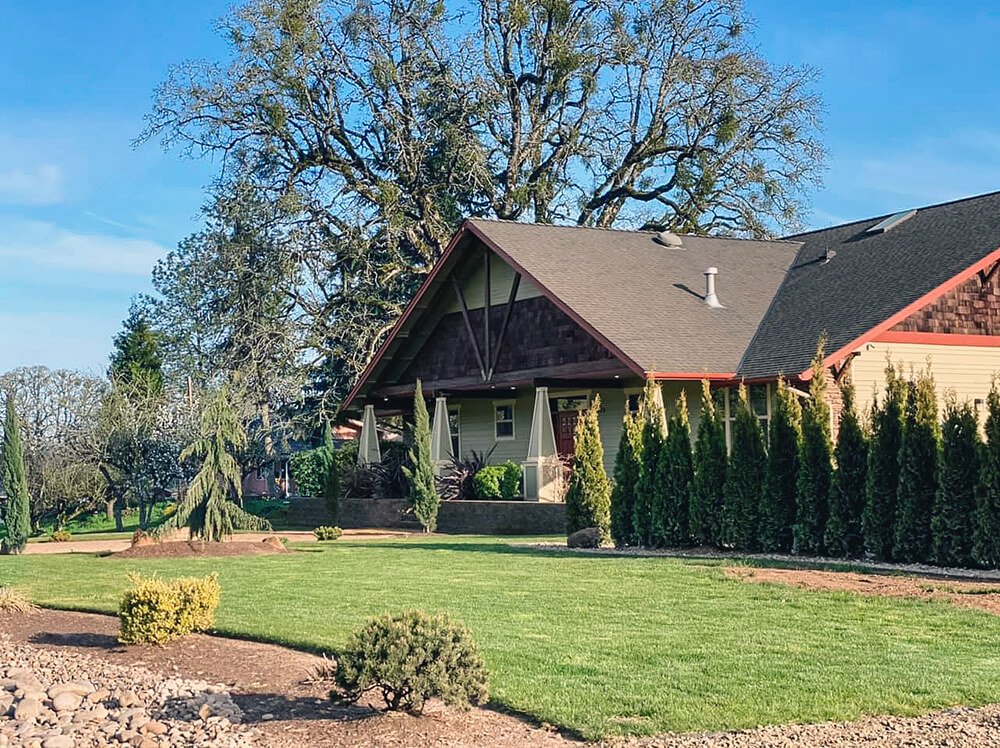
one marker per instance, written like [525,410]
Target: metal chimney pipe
[710,298]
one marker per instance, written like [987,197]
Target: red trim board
[906,311]
[938,338]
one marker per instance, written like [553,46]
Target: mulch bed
[980,595]
[273,687]
[197,549]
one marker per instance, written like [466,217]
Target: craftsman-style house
[519,326]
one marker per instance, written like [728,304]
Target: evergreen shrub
[327,533]
[653,435]
[918,472]
[986,528]
[409,658]
[778,506]
[626,480]
[674,476]
[955,503]
[707,509]
[155,611]
[878,520]
[815,464]
[424,497]
[847,493]
[745,477]
[588,498]
[498,482]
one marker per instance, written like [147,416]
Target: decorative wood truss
[487,355]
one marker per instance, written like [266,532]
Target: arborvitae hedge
[955,502]
[652,444]
[745,477]
[707,509]
[17,514]
[626,481]
[777,511]
[986,529]
[815,464]
[675,474]
[847,494]
[918,472]
[588,500]
[878,522]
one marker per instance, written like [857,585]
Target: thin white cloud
[45,244]
[42,185]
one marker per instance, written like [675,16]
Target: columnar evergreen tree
[777,512]
[986,529]
[707,509]
[918,472]
[424,497]
[626,480]
[745,477]
[17,514]
[878,521]
[207,509]
[847,494]
[653,436]
[955,503]
[588,500]
[815,464]
[675,473]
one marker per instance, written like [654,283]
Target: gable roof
[647,299]
[873,281]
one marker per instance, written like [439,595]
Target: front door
[565,431]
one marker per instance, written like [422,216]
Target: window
[725,400]
[503,423]
[760,404]
[633,403]
[455,426]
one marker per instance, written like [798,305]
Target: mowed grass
[599,645]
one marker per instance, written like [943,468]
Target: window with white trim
[726,400]
[503,421]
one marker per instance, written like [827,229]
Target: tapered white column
[368,449]
[542,470]
[440,436]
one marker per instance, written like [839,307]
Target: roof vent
[891,222]
[668,239]
[710,298]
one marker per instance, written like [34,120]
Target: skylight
[891,222]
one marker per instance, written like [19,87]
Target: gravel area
[62,699]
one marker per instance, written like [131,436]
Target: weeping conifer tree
[17,514]
[847,494]
[745,476]
[918,472]
[626,480]
[777,514]
[878,520]
[588,500]
[675,474]
[206,508]
[955,503]
[986,528]
[424,496]
[815,464]
[706,512]
[653,428]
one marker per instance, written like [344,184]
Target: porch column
[542,469]
[368,449]
[441,436]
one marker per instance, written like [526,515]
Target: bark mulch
[272,685]
[980,595]
[197,549]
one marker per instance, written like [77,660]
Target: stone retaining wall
[473,517]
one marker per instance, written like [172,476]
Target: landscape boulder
[588,537]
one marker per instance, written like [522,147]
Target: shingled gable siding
[539,335]
[969,309]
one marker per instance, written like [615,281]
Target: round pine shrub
[409,658]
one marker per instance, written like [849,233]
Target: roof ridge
[956,201]
[628,231]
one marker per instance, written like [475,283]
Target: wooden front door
[565,431]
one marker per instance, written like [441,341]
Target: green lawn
[601,645]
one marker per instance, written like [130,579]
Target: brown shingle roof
[646,298]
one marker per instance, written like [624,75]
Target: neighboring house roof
[645,298]
[873,281]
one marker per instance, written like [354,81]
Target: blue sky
[912,117]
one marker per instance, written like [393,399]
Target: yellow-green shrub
[155,610]
[327,533]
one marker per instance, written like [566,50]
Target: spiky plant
[13,600]
[17,515]
[206,509]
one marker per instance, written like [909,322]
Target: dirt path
[980,595]
[113,546]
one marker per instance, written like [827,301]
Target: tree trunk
[265,422]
